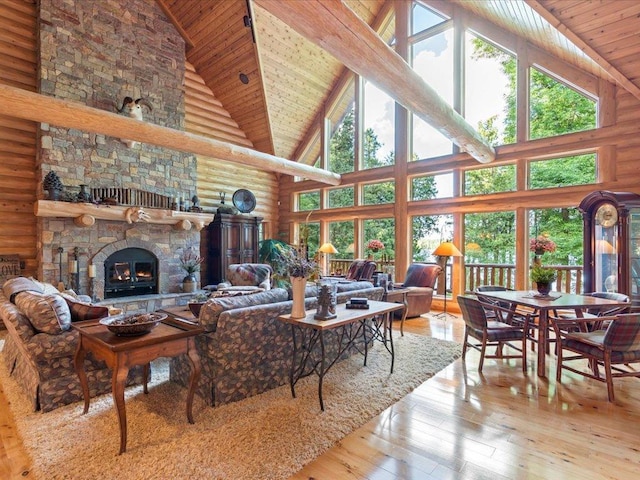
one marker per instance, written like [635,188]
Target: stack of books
[358,302]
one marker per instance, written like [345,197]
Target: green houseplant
[543,278]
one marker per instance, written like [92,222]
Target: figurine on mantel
[229,209]
[195,204]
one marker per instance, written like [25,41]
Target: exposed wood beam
[63,113]
[615,75]
[339,31]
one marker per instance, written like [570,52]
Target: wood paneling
[18,179]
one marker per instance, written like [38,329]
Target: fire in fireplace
[130,271]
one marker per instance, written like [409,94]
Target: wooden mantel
[85,214]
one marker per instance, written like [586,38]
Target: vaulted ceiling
[273,81]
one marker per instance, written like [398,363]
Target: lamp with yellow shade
[444,251]
[327,249]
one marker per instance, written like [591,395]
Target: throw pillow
[14,286]
[47,313]
[84,311]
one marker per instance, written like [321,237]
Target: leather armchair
[361,270]
[420,281]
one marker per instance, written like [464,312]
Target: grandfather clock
[612,243]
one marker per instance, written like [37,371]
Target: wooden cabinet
[612,243]
[228,239]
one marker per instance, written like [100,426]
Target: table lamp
[444,251]
[327,249]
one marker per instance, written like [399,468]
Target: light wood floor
[463,425]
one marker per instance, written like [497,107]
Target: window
[309,201]
[489,72]
[379,128]
[432,186]
[483,181]
[423,18]
[382,229]
[432,59]
[341,235]
[340,197]
[379,193]
[563,172]
[309,236]
[428,231]
[556,108]
[342,135]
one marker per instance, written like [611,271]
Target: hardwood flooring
[464,425]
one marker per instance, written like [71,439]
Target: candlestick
[92,271]
[73,266]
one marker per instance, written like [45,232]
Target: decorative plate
[244,200]
[133,325]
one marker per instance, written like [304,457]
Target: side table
[169,338]
[398,295]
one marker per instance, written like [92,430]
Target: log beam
[19,103]
[338,30]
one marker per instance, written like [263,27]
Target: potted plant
[299,269]
[190,262]
[543,278]
[53,185]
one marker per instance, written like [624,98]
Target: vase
[543,288]
[189,283]
[298,287]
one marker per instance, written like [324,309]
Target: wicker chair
[614,348]
[490,332]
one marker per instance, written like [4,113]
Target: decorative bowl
[195,308]
[132,325]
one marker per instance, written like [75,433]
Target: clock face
[606,215]
[244,200]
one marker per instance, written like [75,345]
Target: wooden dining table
[543,305]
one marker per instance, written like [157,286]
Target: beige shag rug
[269,436]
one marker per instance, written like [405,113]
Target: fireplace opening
[130,271]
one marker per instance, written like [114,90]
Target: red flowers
[541,244]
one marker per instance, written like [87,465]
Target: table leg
[118,380]
[78,363]
[322,367]
[389,322]
[196,366]
[293,362]
[543,334]
[145,373]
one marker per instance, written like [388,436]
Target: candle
[92,271]
[73,266]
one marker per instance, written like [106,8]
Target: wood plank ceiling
[289,77]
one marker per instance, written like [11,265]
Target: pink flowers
[541,244]
[375,245]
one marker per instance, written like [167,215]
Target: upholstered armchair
[420,280]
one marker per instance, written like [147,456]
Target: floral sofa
[246,350]
[40,345]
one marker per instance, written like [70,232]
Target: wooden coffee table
[169,338]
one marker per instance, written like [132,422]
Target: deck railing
[569,278]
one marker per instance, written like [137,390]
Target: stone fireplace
[98,57]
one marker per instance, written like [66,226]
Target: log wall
[18,139]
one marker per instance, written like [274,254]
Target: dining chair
[509,313]
[615,348]
[490,332]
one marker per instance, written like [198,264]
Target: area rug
[269,436]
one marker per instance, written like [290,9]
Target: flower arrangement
[375,245]
[540,274]
[297,265]
[190,261]
[541,244]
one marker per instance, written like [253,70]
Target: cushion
[84,311]
[16,285]
[257,274]
[212,309]
[47,313]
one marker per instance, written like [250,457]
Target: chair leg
[559,367]
[524,353]
[464,344]
[482,352]
[607,372]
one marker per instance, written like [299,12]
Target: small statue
[326,302]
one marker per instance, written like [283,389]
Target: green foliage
[490,180]
[540,274]
[341,146]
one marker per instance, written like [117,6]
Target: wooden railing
[569,278]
